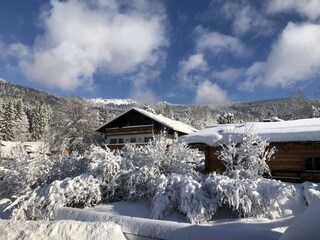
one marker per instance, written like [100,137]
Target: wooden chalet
[138,126]
[297,158]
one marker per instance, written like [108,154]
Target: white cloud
[81,38]
[295,57]
[18,50]
[194,62]
[3,51]
[253,77]
[306,8]
[229,75]
[211,94]
[219,43]
[189,70]
[193,72]
[246,18]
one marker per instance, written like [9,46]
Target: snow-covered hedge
[166,177]
[134,172]
[81,191]
[24,172]
[199,199]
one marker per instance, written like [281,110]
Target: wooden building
[297,158]
[138,126]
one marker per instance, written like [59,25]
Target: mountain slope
[76,118]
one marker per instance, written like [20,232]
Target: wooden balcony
[130,130]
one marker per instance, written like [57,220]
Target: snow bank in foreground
[241,229]
[306,226]
[59,230]
[311,192]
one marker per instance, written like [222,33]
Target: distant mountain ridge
[9,91]
[285,108]
[115,101]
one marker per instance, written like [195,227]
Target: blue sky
[181,51]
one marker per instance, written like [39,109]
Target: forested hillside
[69,122]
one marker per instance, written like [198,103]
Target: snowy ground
[297,222]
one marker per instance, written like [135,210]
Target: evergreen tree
[78,120]
[167,111]
[149,108]
[200,115]
[225,118]
[7,122]
[39,123]
[21,126]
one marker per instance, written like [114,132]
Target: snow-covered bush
[199,199]
[225,118]
[174,158]
[186,195]
[70,166]
[81,191]
[108,167]
[163,176]
[247,158]
[252,198]
[22,173]
[134,172]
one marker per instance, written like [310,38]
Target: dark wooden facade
[293,162]
[135,127]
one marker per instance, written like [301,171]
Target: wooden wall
[287,163]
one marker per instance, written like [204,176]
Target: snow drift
[66,229]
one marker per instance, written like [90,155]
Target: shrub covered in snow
[133,173]
[199,199]
[247,158]
[81,191]
[225,118]
[22,173]
[163,176]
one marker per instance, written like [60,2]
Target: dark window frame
[310,164]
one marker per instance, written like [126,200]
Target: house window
[312,163]
[132,140]
[147,139]
[113,141]
[120,140]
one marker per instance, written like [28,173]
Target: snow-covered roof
[170,123]
[302,130]
[174,124]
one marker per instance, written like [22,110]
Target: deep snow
[66,229]
[246,229]
[300,217]
[134,219]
